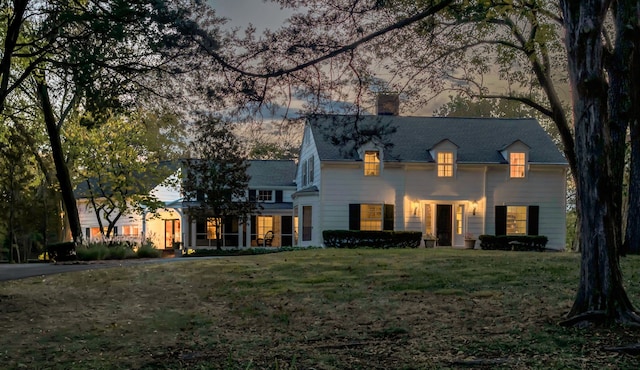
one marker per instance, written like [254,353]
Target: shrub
[513,242]
[148,251]
[93,252]
[371,239]
[65,251]
[105,251]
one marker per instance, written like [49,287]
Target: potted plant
[429,240]
[469,241]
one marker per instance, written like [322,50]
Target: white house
[443,176]
[162,227]
[271,185]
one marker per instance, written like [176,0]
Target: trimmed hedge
[513,242]
[371,239]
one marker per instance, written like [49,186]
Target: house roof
[138,187]
[270,173]
[409,139]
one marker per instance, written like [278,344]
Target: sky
[257,12]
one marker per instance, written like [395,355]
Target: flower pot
[429,243]
[469,243]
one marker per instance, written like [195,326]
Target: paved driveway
[24,270]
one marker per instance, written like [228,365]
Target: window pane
[445,164]
[427,219]
[371,164]
[211,228]
[371,217]
[265,223]
[516,161]
[459,216]
[516,220]
[265,195]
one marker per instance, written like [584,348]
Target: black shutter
[287,225]
[115,231]
[278,196]
[501,220]
[252,195]
[387,216]
[354,216]
[532,220]
[287,231]
[254,227]
[88,231]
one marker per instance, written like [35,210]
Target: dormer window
[517,165]
[445,164]
[372,163]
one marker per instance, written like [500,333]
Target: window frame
[265,196]
[445,161]
[517,165]
[372,167]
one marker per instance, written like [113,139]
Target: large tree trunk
[601,297]
[62,172]
[619,106]
[632,236]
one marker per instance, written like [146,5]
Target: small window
[212,228]
[371,217]
[265,195]
[459,219]
[130,230]
[371,163]
[264,225]
[307,171]
[516,220]
[517,165]
[445,164]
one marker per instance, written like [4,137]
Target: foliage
[147,250]
[371,239]
[513,242]
[215,182]
[119,162]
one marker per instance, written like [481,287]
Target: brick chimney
[388,104]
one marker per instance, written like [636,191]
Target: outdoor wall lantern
[414,207]
[474,206]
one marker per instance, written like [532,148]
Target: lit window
[427,220]
[212,227]
[516,163]
[445,164]
[516,220]
[459,219]
[265,195]
[371,217]
[130,230]
[371,163]
[265,224]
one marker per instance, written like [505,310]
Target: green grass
[322,309]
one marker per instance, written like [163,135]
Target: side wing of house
[162,227]
[271,186]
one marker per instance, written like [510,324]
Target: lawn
[314,309]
